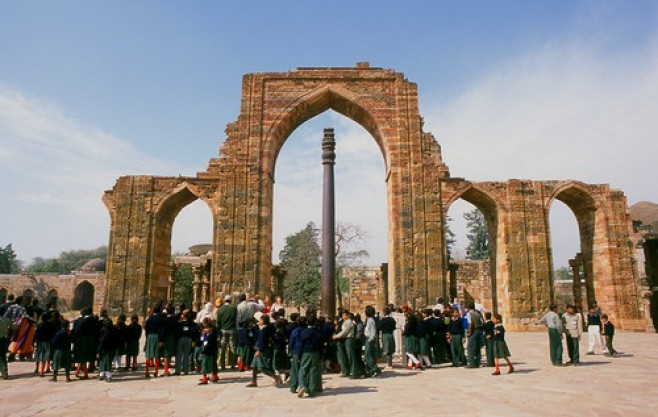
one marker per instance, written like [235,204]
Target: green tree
[8,262]
[450,238]
[349,240]
[183,284]
[300,258]
[563,274]
[478,236]
[67,261]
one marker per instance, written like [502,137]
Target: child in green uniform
[500,349]
[209,347]
[133,334]
[107,349]
[61,346]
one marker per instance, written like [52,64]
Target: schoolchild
[208,340]
[488,330]
[411,340]
[85,335]
[609,334]
[439,341]
[43,335]
[310,372]
[184,334]
[424,335]
[167,341]
[107,349]
[329,349]
[133,334]
[247,335]
[262,361]
[152,328]
[121,333]
[295,349]
[387,326]
[345,343]
[500,346]
[61,348]
[371,343]
[358,367]
[456,335]
[280,360]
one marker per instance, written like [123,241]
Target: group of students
[600,331]
[258,338]
[438,335]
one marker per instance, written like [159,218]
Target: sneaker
[108,379]
[252,384]
[277,381]
[301,393]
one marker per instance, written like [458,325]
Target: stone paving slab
[602,386]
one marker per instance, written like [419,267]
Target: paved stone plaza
[622,386]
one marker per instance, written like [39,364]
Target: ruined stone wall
[238,187]
[474,282]
[65,285]
[365,288]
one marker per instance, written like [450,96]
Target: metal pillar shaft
[328,285]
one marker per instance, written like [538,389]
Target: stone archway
[238,187]
[83,296]
[492,209]
[274,104]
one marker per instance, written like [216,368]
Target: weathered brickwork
[45,286]
[238,187]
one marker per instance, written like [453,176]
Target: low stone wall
[43,286]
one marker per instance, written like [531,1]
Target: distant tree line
[66,263]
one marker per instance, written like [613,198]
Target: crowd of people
[258,336]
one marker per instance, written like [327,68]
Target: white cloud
[55,170]
[569,110]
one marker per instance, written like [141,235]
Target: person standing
[388,325]
[593,329]
[554,324]
[573,327]
[370,334]
[227,321]
[133,334]
[456,334]
[295,350]
[61,345]
[246,309]
[345,338]
[310,372]
[489,338]
[608,333]
[474,333]
[500,346]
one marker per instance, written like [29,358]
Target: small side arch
[83,296]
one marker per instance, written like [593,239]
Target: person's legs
[575,349]
[570,348]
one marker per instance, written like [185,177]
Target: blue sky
[93,90]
